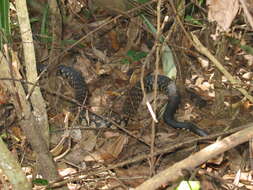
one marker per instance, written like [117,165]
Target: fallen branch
[174,172]
[236,83]
[76,176]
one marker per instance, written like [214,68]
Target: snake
[165,85]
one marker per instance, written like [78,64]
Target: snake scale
[133,100]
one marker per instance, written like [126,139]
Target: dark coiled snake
[134,98]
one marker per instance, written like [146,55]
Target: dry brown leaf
[188,114]
[206,184]
[80,150]
[133,33]
[114,40]
[247,75]
[235,160]
[120,75]
[100,54]
[245,179]
[112,93]
[16,131]
[76,6]
[136,171]
[223,12]
[115,148]
[3,96]
[109,151]
[249,59]
[84,65]
[135,77]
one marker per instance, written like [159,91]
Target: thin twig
[235,82]
[247,13]
[174,172]
[139,158]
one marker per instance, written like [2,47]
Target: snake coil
[134,98]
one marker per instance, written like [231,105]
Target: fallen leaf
[223,12]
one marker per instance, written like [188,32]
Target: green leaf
[130,53]
[201,2]
[136,55]
[4,16]
[87,14]
[189,185]
[233,41]
[44,23]
[35,19]
[142,1]
[40,182]
[192,20]
[5,33]
[139,55]
[125,61]
[169,68]
[247,49]
[149,25]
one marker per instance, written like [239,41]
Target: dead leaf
[76,6]
[235,160]
[114,40]
[223,12]
[188,114]
[135,77]
[247,75]
[109,151]
[114,148]
[80,150]
[16,131]
[136,171]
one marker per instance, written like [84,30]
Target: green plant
[40,181]
[44,25]
[5,33]
[134,56]
[192,20]
[188,185]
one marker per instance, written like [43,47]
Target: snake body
[133,100]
